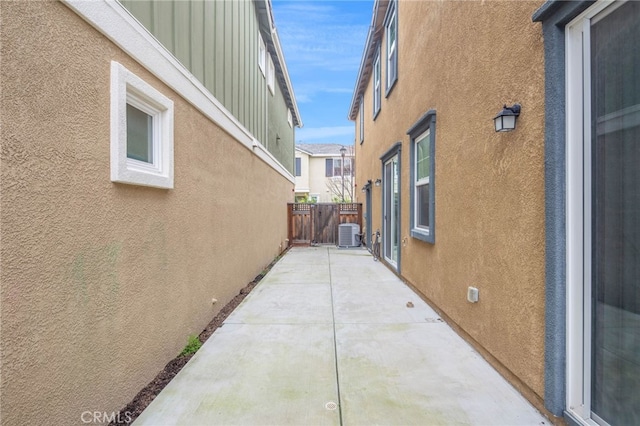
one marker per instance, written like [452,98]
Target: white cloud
[307,92]
[314,134]
[323,43]
[316,39]
[330,48]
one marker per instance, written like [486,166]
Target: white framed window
[361,119]
[421,164]
[289,118]
[391,36]
[141,131]
[333,167]
[422,196]
[262,54]
[376,84]
[271,76]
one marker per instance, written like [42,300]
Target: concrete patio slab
[381,302]
[421,374]
[249,374]
[269,303]
[338,346]
[299,272]
[342,268]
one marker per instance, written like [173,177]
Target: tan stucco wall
[465,60]
[102,282]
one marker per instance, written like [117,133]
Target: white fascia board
[364,68]
[116,23]
[302,150]
[379,10]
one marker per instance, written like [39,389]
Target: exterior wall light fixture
[505,121]
[367,186]
[378,182]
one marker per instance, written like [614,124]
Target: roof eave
[269,33]
[377,18]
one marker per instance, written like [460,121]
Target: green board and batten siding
[218,42]
[281,143]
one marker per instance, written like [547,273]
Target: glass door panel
[391,207]
[395,226]
[615,210]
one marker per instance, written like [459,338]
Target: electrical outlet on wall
[472,294]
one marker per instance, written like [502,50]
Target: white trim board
[118,25]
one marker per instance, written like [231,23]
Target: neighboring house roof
[324,149]
[270,36]
[373,37]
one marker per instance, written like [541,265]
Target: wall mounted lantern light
[505,121]
[378,182]
[367,186]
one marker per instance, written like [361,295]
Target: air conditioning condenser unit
[348,235]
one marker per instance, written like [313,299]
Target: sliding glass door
[391,207]
[607,322]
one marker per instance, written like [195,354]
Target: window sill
[422,235]
[390,88]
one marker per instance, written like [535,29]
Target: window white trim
[262,54]
[271,76]
[361,114]
[289,118]
[420,182]
[118,25]
[377,90]
[336,164]
[127,88]
[391,48]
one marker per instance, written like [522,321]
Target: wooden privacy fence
[318,223]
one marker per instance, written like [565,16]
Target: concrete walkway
[327,338]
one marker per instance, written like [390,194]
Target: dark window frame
[298,166]
[424,123]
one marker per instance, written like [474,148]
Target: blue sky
[323,43]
